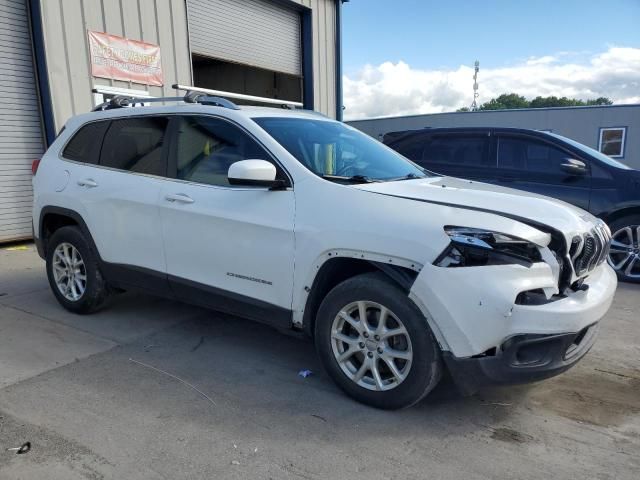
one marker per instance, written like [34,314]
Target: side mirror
[573,167]
[254,173]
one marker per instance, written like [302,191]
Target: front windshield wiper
[351,179]
[408,176]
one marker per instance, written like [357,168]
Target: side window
[85,144]
[530,155]
[135,144]
[206,147]
[458,150]
[411,147]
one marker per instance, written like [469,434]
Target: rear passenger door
[118,187]
[534,165]
[463,155]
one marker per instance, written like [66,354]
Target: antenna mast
[474,104]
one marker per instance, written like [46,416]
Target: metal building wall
[324,54]
[582,124]
[65,25]
[162,22]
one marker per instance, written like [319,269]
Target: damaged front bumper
[486,336]
[521,359]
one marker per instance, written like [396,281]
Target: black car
[539,162]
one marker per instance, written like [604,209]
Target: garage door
[21,133]
[259,33]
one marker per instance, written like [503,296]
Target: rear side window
[461,150]
[85,144]
[530,155]
[135,145]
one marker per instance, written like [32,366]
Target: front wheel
[624,255]
[376,344]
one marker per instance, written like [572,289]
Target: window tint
[85,144]
[135,144]
[530,155]
[462,150]
[411,147]
[206,147]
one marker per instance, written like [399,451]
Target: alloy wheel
[69,272]
[624,254]
[371,345]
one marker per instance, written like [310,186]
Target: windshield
[336,151]
[590,151]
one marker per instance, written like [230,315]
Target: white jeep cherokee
[298,221]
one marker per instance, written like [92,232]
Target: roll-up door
[21,138]
[259,33]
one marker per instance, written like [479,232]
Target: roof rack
[120,101]
[238,96]
[203,96]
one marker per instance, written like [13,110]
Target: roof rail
[195,97]
[120,101]
[238,96]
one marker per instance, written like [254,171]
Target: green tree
[600,101]
[508,101]
[505,101]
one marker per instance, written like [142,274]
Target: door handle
[179,197]
[88,182]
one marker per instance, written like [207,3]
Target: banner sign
[120,58]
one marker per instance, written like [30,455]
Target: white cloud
[397,89]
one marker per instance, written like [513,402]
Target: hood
[471,195]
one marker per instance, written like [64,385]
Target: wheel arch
[340,265]
[626,211]
[52,218]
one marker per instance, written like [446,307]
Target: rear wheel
[73,272]
[376,344]
[624,255]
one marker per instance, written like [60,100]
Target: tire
[420,373]
[96,290]
[620,258]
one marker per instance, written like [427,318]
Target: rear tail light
[34,166]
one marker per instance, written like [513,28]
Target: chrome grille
[590,249]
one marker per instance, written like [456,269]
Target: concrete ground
[90,395]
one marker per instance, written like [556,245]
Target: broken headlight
[474,247]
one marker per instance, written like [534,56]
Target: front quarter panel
[339,218]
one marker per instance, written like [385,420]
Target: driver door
[535,166]
[228,247]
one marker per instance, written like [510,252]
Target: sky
[403,57]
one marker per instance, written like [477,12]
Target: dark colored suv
[539,162]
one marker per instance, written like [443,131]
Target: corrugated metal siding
[21,138]
[258,33]
[162,22]
[324,54]
[65,25]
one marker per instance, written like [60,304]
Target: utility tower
[474,104]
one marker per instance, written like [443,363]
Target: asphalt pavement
[150,388]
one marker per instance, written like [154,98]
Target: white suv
[295,220]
